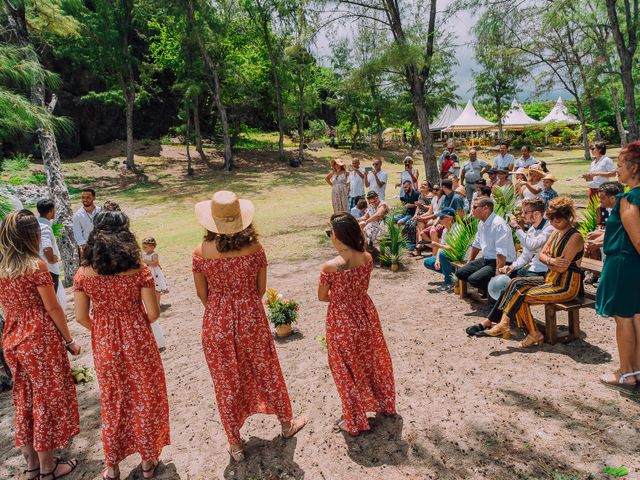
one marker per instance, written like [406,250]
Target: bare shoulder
[368,257]
[255,247]
[332,265]
[198,250]
[42,267]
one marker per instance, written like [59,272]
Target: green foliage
[6,206]
[460,238]
[393,244]
[588,222]
[16,163]
[280,311]
[616,471]
[505,200]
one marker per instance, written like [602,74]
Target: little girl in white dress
[152,260]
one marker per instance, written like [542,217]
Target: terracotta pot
[283,330]
[394,267]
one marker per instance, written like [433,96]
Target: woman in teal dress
[618,295]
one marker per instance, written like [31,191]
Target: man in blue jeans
[441,262]
[408,198]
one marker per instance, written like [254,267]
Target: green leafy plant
[589,221]
[280,311]
[6,207]
[58,229]
[505,200]
[393,244]
[460,238]
[616,471]
[83,375]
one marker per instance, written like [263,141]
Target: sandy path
[469,408]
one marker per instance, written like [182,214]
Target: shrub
[393,244]
[589,221]
[279,310]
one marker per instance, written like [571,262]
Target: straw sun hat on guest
[536,170]
[225,213]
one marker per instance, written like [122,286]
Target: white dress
[158,276]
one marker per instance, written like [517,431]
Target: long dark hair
[111,248]
[346,229]
[235,241]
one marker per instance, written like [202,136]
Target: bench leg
[551,325]
[574,324]
[463,289]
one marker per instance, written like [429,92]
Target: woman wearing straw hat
[338,178]
[230,275]
[534,186]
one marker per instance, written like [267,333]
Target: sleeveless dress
[340,193]
[358,355]
[158,276]
[135,409]
[617,293]
[44,394]
[238,344]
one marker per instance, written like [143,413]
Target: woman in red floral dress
[230,275]
[34,341]
[112,281]
[358,356]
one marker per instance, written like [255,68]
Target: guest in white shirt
[376,180]
[83,218]
[356,183]
[533,187]
[49,251]
[526,160]
[504,161]
[602,168]
[409,174]
[494,239]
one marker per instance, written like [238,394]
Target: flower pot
[283,330]
[394,267]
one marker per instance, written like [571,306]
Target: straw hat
[461,190]
[225,213]
[548,176]
[338,161]
[537,169]
[520,171]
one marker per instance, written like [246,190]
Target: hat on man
[492,171]
[225,213]
[550,177]
[446,212]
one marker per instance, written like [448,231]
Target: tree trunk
[583,127]
[266,30]
[130,98]
[301,118]
[188,140]
[128,80]
[619,123]
[499,112]
[196,127]
[49,149]
[594,116]
[422,117]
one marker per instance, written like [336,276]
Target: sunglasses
[592,148]
[328,232]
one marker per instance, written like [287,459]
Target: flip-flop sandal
[152,470]
[294,428]
[236,456]
[620,385]
[27,472]
[107,477]
[52,474]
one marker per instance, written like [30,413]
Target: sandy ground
[468,408]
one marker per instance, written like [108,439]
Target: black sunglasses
[328,232]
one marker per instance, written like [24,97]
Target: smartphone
[368,169]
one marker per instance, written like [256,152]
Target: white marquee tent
[468,121]
[517,119]
[446,118]
[560,113]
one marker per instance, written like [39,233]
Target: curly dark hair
[111,248]
[346,229]
[561,208]
[235,241]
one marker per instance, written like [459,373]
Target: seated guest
[462,193]
[485,191]
[481,182]
[440,262]
[503,179]
[562,254]
[451,199]
[408,198]
[455,181]
[548,193]
[528,264]
[372,222]
[526,160]
[493,177]
[429,219]
[422,207]
[495,240]
[533,187]
[360,208]
[447,164]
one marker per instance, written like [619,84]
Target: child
[548,193]
[151,259]
[360,208]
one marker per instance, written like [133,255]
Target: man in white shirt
[83,218]
[471,172]
[495,240]
[376,180]
[49,251]
[356,182]
[526,160]
[504,161]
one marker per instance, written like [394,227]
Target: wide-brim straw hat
[550,177]
[225,213]
[338,161]
[536,169]
[520,171]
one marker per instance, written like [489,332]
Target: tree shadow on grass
[382,445]
[266,459]
[578,350]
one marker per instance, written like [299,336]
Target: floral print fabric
[238,344]
[135,410]
[358,355]
[44,394]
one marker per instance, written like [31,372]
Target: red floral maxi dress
[358,355]
[44,395]
[238,344]
[135,409]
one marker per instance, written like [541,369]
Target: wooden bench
[463,287]
[593,266]
[550,327]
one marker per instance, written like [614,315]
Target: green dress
[618,292]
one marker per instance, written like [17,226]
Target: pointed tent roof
[469,120]
[560,113]
[516,118]
[446,117]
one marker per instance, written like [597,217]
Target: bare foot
[289,429]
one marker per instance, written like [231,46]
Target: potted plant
[459,239]
[589,221]
[281,312]
[393,244]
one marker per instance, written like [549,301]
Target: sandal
[295,425]
[236,456]
[105,476]
[154,464]
[27,472]
[339,427]
[620,384]
[473,330]
[52,474]
[532,341]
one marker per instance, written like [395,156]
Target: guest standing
[115,298]
[49,251]
[617,294]
[339,181]
[358,356]
[471,173]
[34,341]
[356,183]
[230,275]
[376,180]
[83,218]
[602,168]
[504,160]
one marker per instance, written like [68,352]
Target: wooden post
[574,323]
[551,326]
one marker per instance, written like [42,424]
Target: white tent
[446,117]
[560,113]
[517,119]
[468,121]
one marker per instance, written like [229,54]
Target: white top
[522,163]
[473,170]
[373,184]
[494,238]
[356,183]
[532,242]
[404,176]
[526,193]
[503,162]
[605,164]
[437,203]
[48,240]
[83,224]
